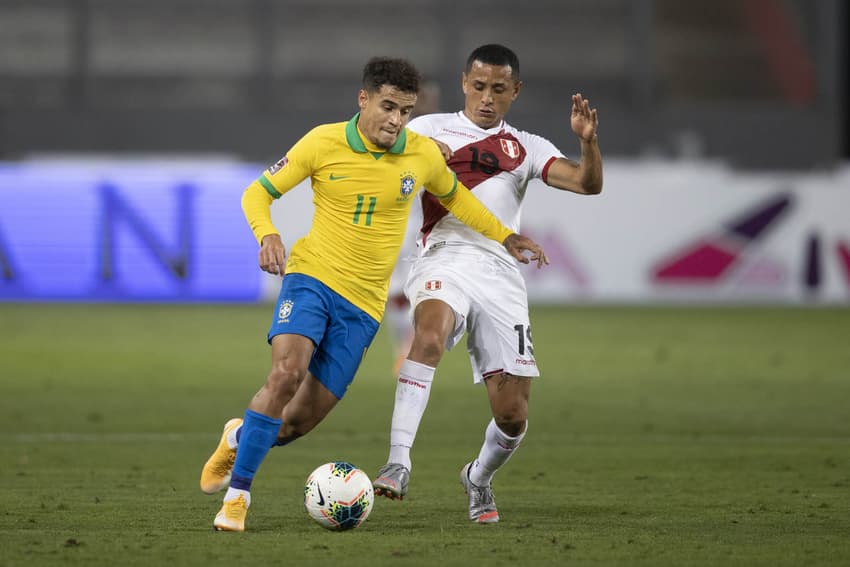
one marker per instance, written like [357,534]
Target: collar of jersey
[356,143]
[495,129]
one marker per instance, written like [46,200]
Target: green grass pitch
[668,436]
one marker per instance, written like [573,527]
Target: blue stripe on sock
[259,433]
[240,483]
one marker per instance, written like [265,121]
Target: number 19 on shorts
[524,339]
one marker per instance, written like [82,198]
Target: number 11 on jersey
[369,211]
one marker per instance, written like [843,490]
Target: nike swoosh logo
[321,498]
[338,177]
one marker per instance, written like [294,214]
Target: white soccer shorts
[490,302]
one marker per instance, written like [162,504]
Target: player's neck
[370,145]
[498,125]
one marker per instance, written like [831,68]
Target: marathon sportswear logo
[410,382]
[433,285]
[460,133]
[278,165]
[285,311]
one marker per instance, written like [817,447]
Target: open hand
[517,245]
[583,119]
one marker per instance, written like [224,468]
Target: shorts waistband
[444,244]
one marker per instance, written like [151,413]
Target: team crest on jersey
[285,311]
[278,165]
[510,147]
[433,285]
[408,184]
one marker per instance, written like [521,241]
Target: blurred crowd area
[757,83]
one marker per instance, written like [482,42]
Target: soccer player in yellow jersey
[364,174]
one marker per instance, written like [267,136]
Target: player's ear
[517,87]
[463,83]
[362,99]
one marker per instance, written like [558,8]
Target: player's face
[384,114]
[489,90]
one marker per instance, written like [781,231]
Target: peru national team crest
[278,165]
[433,285]
[510,147]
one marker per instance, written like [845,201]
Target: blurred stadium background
[760,83]
[713,431]
[755,82]
[129,128]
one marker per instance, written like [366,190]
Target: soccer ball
[338,496]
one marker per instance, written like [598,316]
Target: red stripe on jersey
[492,373]
[486,158]
[545,174]
[473,164]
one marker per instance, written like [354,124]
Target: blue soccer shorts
[340,330]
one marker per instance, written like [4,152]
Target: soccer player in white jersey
[461,282]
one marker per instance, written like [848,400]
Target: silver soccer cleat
[392,481]
[482,504]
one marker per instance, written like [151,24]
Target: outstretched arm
[584,177]
[469,210]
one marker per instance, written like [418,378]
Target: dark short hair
[495,54]
[398,73]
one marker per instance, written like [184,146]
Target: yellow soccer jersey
[361,197]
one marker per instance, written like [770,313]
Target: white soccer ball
[338,496]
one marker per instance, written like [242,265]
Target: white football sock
[411,397]
[233,493]
[495,452]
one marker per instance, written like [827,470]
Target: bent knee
[283,381]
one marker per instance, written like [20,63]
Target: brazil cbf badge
[408,184]
[285,311]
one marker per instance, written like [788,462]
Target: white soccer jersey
[495,164]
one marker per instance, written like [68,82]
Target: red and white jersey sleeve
[495,164]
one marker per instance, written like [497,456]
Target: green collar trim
[352,136]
